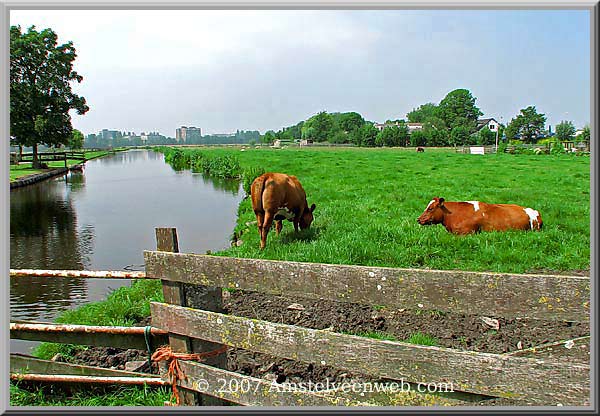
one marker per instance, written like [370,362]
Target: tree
[527,126]
[458,109]
[366,135]
[318,127]
[268,137]
[422,113]
[435,132]
[460,136]
[76,140]
[41,73]
[585,135]
[565,131]
[350,122]
[418,138]
[393,136]
[485,136]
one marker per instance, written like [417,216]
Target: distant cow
[474,216]
[420,149]
[275,197]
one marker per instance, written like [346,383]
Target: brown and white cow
[474,216]
[275,197]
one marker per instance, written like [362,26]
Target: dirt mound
[452,330]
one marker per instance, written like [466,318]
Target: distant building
[188,134]
[490,123]
[109,134]
[411,126]
[151,138]
[223,135]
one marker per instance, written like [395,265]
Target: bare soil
[462,332]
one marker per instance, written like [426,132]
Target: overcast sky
[155,70]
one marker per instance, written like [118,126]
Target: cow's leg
[266,227]
[278,226]
[260,218]
[296,222]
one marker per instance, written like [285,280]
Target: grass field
[368,201]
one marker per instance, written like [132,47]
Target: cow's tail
[258,187]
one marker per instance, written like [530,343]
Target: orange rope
[175,373]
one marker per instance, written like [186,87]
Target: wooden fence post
[194,296]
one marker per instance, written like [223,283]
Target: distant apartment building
[106,134]
[188,134]
[152,137]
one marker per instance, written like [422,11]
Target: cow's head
[434,213]
[307,217]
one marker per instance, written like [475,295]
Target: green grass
[123,307]
[24,169]
[422,339]
[368,201]
[417,338]
[94,396]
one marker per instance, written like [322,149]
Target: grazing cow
[420,149]
[474,216]
[275,197]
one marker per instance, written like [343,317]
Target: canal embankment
[37,177]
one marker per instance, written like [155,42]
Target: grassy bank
[368,201]
[25,169]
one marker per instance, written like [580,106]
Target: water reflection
[230,186]
[103,219]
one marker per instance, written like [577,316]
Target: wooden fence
[54,156]
[192,320]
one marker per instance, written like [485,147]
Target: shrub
[249,175]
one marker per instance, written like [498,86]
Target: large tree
[350,122]
[41,73]
[565,131]
[527,126]
[318,127]
[422,113]
[458,109]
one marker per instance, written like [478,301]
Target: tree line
[452,122]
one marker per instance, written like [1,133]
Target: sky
[224,70]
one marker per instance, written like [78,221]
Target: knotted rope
[175,373]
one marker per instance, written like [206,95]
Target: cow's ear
[312,207]
[441,200]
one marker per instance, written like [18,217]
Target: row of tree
[452,122]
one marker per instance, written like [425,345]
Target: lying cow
[474,216]
[275,197]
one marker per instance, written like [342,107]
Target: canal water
[103,219]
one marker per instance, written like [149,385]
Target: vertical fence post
[193,296]
[174,293]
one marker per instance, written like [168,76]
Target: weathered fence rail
[509,295]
